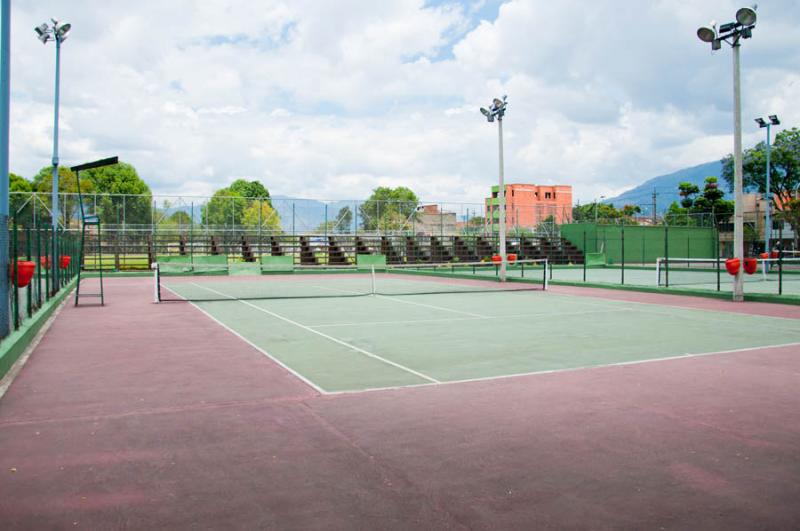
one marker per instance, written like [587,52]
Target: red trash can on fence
[497,259]
[24,272]
[732,266]
[750,265]
[512,257]
[64,262]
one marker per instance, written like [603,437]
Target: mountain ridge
[666,187]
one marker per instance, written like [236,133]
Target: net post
[156,282]
[658,271]
[780,271]
[622,251]
[372,278]
[716,252]
[546,264]
[666,255]
[585,252]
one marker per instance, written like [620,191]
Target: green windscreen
[368,261]
[280,264]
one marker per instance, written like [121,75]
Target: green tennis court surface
[680,278]
[343,343]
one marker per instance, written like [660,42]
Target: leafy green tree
[784,173]
[687,191]
[227,205]
[629,211]
[711,202]
[344,219]
[249,189]
[20,197]
[677,215]
[120,179]
[268,217]
[67,184]
[180,218]
[388,208]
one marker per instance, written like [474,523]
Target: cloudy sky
[328,100]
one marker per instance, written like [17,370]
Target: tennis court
[688,274]
[417,329]
[402,400]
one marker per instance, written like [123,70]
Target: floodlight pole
[768,197]
[54,197]
[501,199]
[5,59]
[738,218]
[732,33]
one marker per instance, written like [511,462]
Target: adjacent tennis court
[353,331]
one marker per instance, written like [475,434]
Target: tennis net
[701,271]
[217,282]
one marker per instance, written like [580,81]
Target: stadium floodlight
[746,16]
[707,33]
[732,33]
[773,120]
[497,110]
[57,32]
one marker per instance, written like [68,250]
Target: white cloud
[331,99]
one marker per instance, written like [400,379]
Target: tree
[629,211]
[687,191]
[388,208]
[227,205]
[344,218]
[268,217]
[67,184]
[693,208]
[20,197]
[120,179]
[784,173]
[249,189]
[712,202]
[790,213]
[180,218]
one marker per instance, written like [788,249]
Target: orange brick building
[527,205]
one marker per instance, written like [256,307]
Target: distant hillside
[666,186]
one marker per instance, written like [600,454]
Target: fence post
[29,289]
[585,252]
[191,232]
[622,249]
[716,254]
[666,255]
[15,262]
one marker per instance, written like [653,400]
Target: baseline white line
[570,369]
[259,349]
[326,336]
[458,319]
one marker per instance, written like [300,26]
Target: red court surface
[143,416]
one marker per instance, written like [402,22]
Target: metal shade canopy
[746,16]
[96,164]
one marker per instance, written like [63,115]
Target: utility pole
[655,194]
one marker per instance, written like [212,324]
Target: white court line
[457,319]
[571,369]
[326,336]
[261,350]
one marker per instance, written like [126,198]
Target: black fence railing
[41,263]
